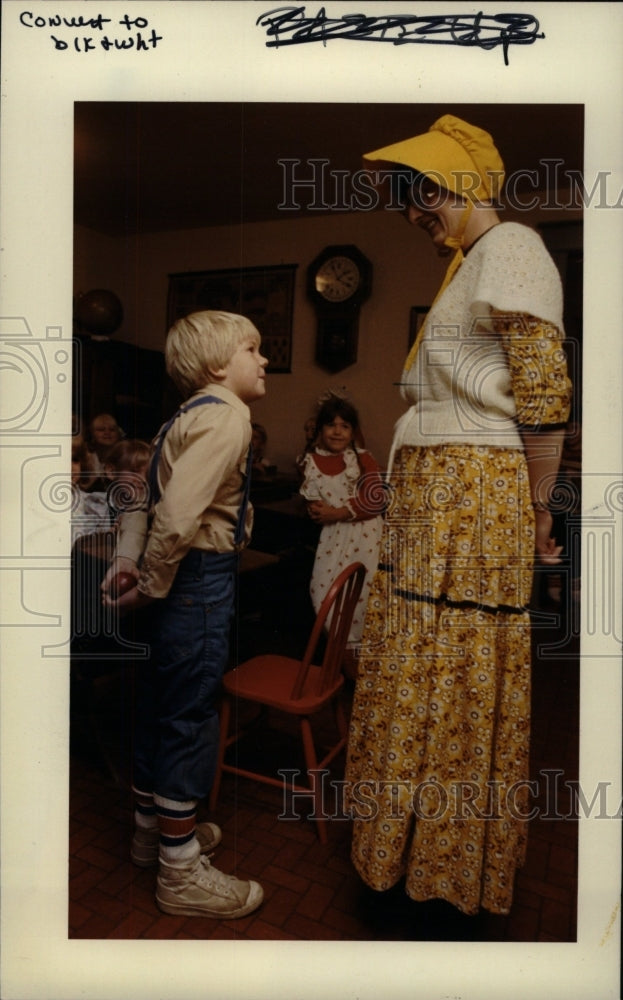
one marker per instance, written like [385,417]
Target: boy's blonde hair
[200,344]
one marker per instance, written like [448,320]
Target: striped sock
[177,822]
[144,810]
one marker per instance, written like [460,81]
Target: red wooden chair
[299,688]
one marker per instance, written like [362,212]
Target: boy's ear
[217,374]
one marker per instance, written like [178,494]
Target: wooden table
[283,525]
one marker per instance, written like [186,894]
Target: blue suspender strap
[242,513]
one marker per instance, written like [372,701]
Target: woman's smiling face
[435,210]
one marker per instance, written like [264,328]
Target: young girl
[344,492]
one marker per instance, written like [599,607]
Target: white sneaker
[145,843]
[198,889]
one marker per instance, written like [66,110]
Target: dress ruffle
[334,490]
[460,526]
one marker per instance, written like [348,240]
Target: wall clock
[339,280]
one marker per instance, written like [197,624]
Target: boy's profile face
[244,374]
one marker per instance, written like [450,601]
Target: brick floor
[311,890]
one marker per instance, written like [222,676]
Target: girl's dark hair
[337,406]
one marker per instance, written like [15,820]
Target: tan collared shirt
[201,477]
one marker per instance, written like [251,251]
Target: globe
[99,312]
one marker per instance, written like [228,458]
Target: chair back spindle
[333,621]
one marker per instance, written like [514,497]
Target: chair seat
[269,679]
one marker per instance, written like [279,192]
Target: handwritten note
[68,33]
[291,26]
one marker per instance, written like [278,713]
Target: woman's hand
[323,513]
[547,552]
[543,450]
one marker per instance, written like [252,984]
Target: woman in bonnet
[437,760]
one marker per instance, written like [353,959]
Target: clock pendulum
[339,280]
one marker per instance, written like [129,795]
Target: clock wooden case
[339,280]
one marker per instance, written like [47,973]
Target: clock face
[337,279]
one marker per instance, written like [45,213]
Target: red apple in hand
[120,584]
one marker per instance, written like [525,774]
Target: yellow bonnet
[454,154]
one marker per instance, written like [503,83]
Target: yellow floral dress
[437,761]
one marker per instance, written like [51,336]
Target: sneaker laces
[210,878]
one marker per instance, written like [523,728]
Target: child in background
[262,466]
[89,511]
[102,435]
[344,492]
[126,469]
[82,469]
[200,522]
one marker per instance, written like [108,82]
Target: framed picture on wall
[417,315]
[264,294]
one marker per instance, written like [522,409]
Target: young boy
[188,567]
